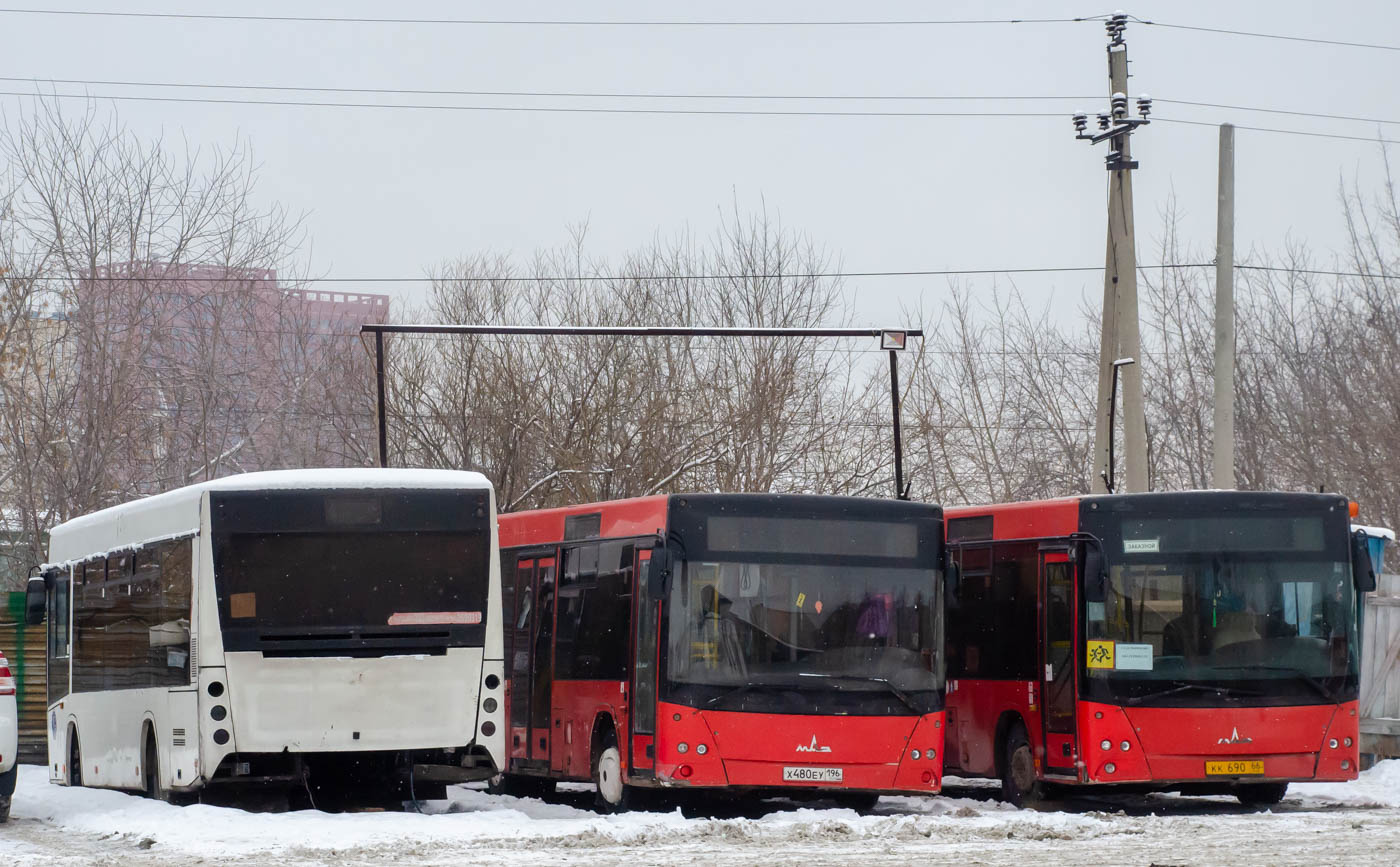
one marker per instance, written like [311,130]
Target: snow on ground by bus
[1318,823]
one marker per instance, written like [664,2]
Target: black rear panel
[351,573]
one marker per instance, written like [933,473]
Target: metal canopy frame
[893,340]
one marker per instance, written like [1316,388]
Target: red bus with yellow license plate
[748,643]
[1201,642]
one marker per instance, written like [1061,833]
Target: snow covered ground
[1356,823]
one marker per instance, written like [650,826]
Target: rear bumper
[9,732]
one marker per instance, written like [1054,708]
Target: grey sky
[391,192]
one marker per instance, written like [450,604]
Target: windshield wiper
[1309,679]
[1184,686]
[741,688]
[898,693]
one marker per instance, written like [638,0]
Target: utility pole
[1224,437]
[1119,337]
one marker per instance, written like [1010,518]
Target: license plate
[1234,769]
[811,775]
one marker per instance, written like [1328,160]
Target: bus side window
[58,637]
[168,633]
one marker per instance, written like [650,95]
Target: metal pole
[379,381]
[899,491]
[1224,435]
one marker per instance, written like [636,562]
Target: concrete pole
[1224,439]
[1125,256]
[1108,351]
[1120,337]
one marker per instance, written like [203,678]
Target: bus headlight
[1332,743]
[1110,767]
[1106,744]
[915,755]
[1125,746]
[1347,742]
[682,747]
[701,749]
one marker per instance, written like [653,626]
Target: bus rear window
[299,565]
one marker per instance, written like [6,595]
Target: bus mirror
[1094,578]
[659,572]
[1363,573]
[35,601]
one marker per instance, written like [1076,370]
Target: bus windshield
[317,568]
[1240,610]
[807,614]
[865,629]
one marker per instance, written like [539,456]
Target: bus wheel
[607,779]
[1019,786]
[1261,794]
[150,769]
[75,759]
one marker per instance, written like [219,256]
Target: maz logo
[813,748]
[1235,738]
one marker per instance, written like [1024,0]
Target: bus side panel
[177,739]
[576,706]
[110,726]
[974,709]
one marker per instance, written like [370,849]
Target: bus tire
[75,759]
[1261,794]
[150,768]
[609,791]
[1019,786]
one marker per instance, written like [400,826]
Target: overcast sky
[390,192]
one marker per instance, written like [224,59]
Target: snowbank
[473,821]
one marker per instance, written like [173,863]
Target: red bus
[751,643]
[1201,642]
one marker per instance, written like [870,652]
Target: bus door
[642,720]
[532,671]
[1057,661]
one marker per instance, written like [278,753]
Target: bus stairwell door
[642,719]
[532,672]
[1057,658]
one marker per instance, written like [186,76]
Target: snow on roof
[176,512]
[1378,532]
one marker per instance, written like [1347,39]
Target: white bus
[332,636]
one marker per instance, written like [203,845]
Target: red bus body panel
[974,708]
[642,516]
[1173,744]
[752,749]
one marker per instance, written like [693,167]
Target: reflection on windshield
[1227,620]
[739,624]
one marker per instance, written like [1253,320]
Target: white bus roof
[176,513]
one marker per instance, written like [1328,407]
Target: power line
[587,278]
[1310,134]
[536,108]
[625,278]
[730,112]
[542,93]
[742,97]
[1257,35]
[1286,111]
[555,22]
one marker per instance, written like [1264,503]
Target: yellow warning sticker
[801,598]
[1100,654]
